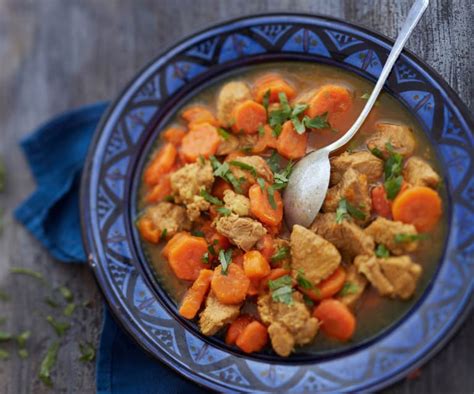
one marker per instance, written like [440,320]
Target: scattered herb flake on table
[48,364]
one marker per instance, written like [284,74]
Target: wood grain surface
[58,54]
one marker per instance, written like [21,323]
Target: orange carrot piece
[219,187]
[261,208]
[276,85]
[253,338]
[255,265]
[201,140]
[290,144]
[185,256]
[328,287]
[254,288]
[174,135]
[171,242]
[198,114]
[337,321]
[381,205]
[248,116]
[148,230]
[195,295]
[160,190]
[162,162]
[265,141]
[236,328]
[420,206]
[266,246]
[331,99]
[231,287]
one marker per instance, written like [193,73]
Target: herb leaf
[225,258]
[198,233]
[381,251]
[223,133]
[303,281]
[223,171]
[66,293]
[69,309]
[318,122]
[87,352]
[392,172]
[281,254]
[26,271]
[61,328]
[266,100]
[399,238]
[205,258]
[298,109]
[282,290]
[48,363]
[5,336]
[345,208]
[298,125]
[210,198]
[22,338]
[224,211]
[244,166]
[271,197]
[284,280]
[349,288]
[4,355]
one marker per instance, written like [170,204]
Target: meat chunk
[259,167]
[237,203]
[384,231]
[346,236]
[400,137]
[289,325]
[312,254]
[243,232]
[216,315]
[171,217]
[188,181]
[364,162]
[353,287]
[227,145]
[393,276]
[247,142]
[418,172]
[194,209]
[355,189]
[231,94]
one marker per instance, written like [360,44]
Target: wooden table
[56,55]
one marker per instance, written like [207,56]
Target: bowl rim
[458,106]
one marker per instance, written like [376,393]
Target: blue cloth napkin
[55,154]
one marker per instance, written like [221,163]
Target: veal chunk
[384,232]
[393,276]
[289,325]
[237,203]
[418,172]
[171,217]
[243,232]
[231,94]
[346,236]
[189,180]
[227,145]
[400,137]
[312,254]
[216,315]
[353,287]
[364,162]
[355,189]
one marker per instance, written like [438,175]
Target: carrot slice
[331,99]
[195,295]
[171,242]
[219,187]
[231,287]
[160,190]
[162,162]
[275,84]
[253,338]
[266,246]
[148,230]
[337,321]
[420,206]
[174,135]
[290,144]
[328,287]
[248,116]
[201,140]
[198,114]
[255,265]
[262,209]
[381,205]
[185,256]
[236,328]
[265,141]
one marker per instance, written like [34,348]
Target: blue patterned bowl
[130,126]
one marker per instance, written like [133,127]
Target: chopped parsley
[26,271]
[198,233]
[349,288]
[399,238]
[282,290]
[392,172]
[59,327]
[169,198]
[87,352]
[318,122]
[303,281]
[271,197]
[69,309]
[261,183]
[308,301]
[210,198]
[282,177]
[48,363]
[224,211]
[281,254]
[377,152]
[225,258]
[211,249]
[345,208]
[205,258]
[223,133]
[244,166]
[261,131]
[266,100]
[381,251]
[164,233]
[5,336]
[274,161]
[223,171]
[66,293]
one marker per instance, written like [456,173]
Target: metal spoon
[309,181]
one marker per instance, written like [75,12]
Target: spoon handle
[413,17]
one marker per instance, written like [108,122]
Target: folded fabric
[56,154]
